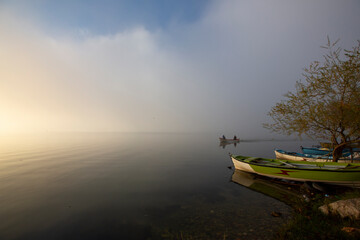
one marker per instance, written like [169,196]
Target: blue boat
[325,151]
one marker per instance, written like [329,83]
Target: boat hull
[280,154]
[296,157]
[315,151]
[309,172]
[325,151]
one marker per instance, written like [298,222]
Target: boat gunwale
[345,170]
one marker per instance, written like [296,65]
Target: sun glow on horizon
[221,71]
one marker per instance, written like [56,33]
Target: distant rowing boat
[226,140]
[331,172]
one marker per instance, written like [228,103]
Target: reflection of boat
[294,156]
[330,172]
[224,144]
[285,192]
[228,140]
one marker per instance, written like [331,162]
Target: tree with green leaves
[326,104]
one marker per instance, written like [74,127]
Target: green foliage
[326,104]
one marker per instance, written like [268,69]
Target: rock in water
[345,208]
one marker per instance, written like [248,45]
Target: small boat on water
[294,156]
[229,140]
[335,173]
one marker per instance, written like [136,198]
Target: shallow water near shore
[132,186]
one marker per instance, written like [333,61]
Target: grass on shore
[308,222]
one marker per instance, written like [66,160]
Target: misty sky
[159,66]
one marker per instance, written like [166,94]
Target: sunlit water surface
[131,186]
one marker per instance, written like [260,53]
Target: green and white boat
[344,174]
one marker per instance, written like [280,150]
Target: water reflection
[286,192]
[129,186]
[224,144]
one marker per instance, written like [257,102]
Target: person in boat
[235,138]
[223,137]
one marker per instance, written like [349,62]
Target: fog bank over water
[220,70]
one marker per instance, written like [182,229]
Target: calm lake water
[131,186]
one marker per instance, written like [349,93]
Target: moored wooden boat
[315,150]
[294,156]
[342,174]
[326,151]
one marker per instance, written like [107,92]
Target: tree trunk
[337,152]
